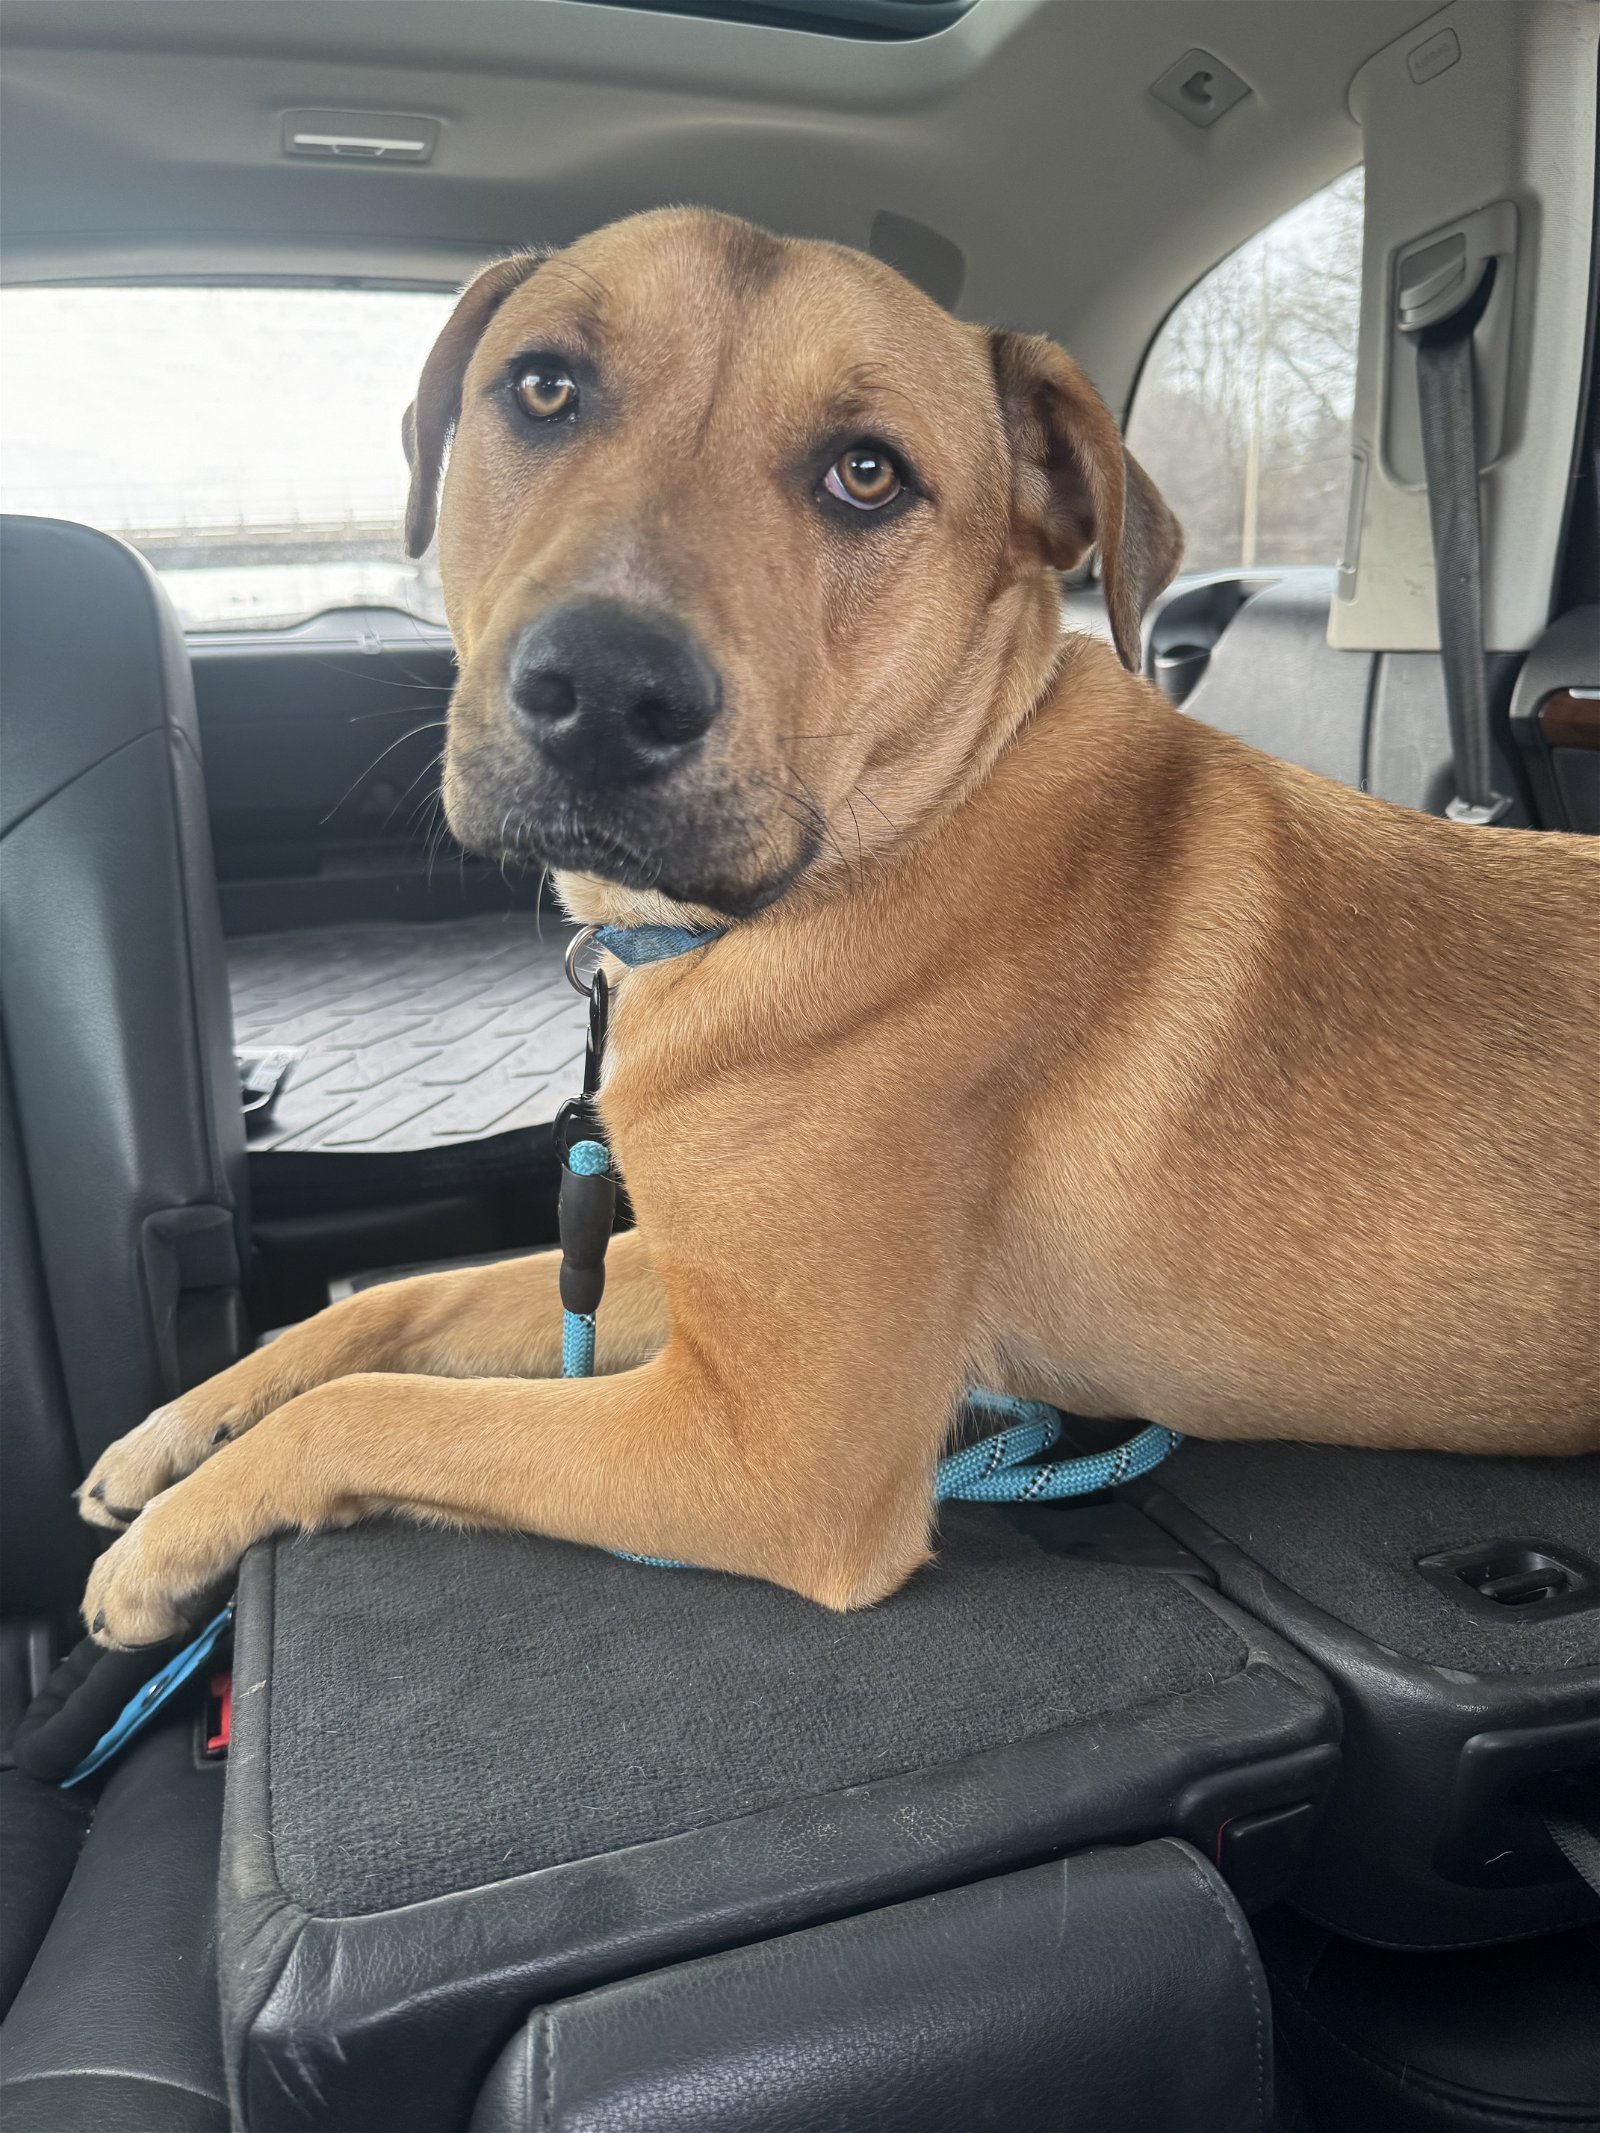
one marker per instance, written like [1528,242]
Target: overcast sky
[134,409]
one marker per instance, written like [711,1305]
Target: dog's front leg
[726,1467]
[481,1322]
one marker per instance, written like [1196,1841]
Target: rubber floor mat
[413,1036]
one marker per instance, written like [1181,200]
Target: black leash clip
[579,1117]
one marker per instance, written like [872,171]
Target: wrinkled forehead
[686,312]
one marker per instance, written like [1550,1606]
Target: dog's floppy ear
[1075,488]
[426,425]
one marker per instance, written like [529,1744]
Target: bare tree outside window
[1242,414]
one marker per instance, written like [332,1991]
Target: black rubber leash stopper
[585,1211]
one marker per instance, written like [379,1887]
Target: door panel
[322,747]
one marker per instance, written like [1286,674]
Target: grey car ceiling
[143,137]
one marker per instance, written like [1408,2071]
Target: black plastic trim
[1389,1863]
[318,2007]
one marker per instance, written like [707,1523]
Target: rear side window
[245,440]
[1242,413]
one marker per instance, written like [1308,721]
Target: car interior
[1262,1792]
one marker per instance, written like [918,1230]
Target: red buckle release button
[219,1713]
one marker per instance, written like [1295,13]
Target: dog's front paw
[161,1579]
[164,1448]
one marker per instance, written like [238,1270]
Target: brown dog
[1058,1042]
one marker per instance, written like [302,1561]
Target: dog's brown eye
[545,391]
[864,476]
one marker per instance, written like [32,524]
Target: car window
[246,440]
[1242,413]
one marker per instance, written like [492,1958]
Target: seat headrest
[91,656]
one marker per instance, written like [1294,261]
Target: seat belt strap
[1579,1843]
[1447,398]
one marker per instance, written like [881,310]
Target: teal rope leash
[585,1159]
[996,1470]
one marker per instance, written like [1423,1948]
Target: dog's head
[748,550]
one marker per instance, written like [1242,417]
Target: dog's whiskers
[432,764]
[432,725]
[888,819]
[820,816]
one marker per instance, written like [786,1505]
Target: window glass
[246,440]
[1242,414]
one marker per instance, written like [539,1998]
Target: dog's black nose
[612,694]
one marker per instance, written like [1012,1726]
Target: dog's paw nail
[99,1621]
[98,1492]
[221,1433]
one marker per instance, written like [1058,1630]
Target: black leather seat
[1119,1990]
[45,1553]
[42,1830]
[1495,2040]
[481,1775]
[124,1213]
[115,2026]
[118,1035]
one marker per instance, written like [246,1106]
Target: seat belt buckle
[1479,817]
[217,1724]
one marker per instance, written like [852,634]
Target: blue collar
[637,945]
